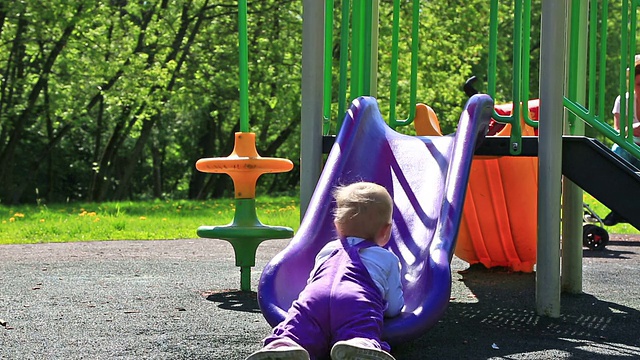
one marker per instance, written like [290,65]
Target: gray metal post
[572,213]
[373,80]
[313,14]
[552,35]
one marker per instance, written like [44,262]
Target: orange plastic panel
[426,121]
[499,222]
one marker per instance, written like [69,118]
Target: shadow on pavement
[608,252]
[236,300]
[492,315]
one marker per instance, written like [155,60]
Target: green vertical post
[603,58]
[493,56]
[415,43]
[366,48]
[632,71]
[395,35]
[493,49]
[244,66]
[344,59]
[526,49]
[373,49]
[625,54]
[516,130]
[328,62]
[357,51]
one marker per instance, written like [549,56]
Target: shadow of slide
[492,316]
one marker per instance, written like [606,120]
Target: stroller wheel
[594,237]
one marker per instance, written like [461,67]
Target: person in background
[614,218]
[353,285]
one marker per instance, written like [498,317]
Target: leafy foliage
[108,100]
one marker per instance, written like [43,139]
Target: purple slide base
[427,178]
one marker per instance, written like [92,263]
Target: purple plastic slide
[427,178]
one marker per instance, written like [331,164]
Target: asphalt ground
[178,299]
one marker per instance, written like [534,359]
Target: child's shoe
[281,349]
[358,349]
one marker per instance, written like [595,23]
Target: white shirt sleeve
[616,110]
[384,267]
[616,106]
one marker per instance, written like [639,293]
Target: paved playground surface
[175,299]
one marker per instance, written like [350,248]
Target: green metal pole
[625,54]
[516,130]
[394,122]
[367,47]
[373,55]
[632,72]
[603,60]
[244,66]
[344,58]
[357,51]
[526,49]
[328,61]
[493,49]
[395,35]
[493,56]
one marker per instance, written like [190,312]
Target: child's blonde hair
[363,208]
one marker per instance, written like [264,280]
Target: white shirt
[616,110]
[383,266]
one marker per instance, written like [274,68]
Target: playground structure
[427,259]
[583,160]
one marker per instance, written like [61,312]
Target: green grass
[155,220]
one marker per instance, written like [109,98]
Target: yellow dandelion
[83,213]
[41,220]
[4,221]
[18,215]
[12,219]
[93,213]
[96,219]
[164,219]
[143,218]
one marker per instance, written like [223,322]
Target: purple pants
[340,303]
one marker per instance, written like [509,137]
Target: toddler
[354,284]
